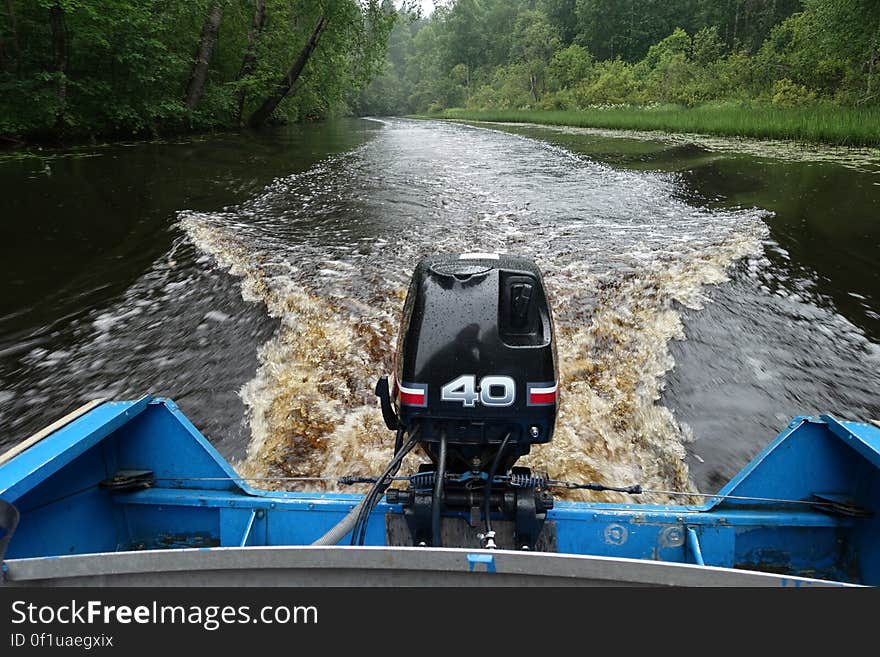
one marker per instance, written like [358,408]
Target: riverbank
[821,124]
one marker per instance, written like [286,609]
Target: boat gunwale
[363,566]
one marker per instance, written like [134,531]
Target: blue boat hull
[198,514]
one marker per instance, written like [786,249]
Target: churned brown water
[688,332]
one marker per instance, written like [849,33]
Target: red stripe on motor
[542,397]
[411,398]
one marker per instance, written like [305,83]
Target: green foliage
[77,69]
[707,46]
[676,45]
[833,47]
[534,38]
[786,93]
[579,54]
[569,66]
[83,68]
[614,84]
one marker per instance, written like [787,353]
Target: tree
[249,62]
[464,39]
[60,54]
[562,15]
[744,24]
[261,115]
[390,92]
[569,66]
[534,42]
[847,31]
[203,55]
[627,28]
[82,68]
[15,43]
[342,50]
[666,72]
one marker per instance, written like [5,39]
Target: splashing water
[330,251]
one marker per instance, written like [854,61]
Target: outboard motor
[476,382]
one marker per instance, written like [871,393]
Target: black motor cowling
[476,359]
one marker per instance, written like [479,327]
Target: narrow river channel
[702,295]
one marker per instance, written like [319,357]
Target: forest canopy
[80,68]
[574,54]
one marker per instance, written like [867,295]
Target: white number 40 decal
[494,391]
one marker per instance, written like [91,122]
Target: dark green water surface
[799,336]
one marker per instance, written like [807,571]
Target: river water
[703,293]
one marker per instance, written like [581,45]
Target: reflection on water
[797,331]
[103,296]
[701,299]
[329,252]
[824,230]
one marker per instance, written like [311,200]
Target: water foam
[329,252]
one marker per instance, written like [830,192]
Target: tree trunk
[736,25]
[249,63]
[59,50]
[259,117]
[631,31]
[16,44]
[872,63]
[203,55]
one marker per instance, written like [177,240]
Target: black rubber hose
[398,440]
[352,519]
[360,530]
[487,496]
[437,502]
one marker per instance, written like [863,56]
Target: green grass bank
[823,124]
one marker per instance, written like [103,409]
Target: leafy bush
[786,93]
[614,84]
[570,66]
